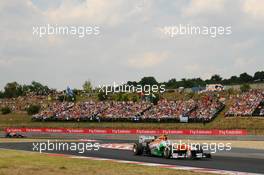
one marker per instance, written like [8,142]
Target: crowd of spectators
[206,109]
[91,110]
[165,110]
[21,103]
[246,103]
[261,113]
[129,111]
[53,111]
[125,110]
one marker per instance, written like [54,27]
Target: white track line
[87,140]
[175,167]
[121,146]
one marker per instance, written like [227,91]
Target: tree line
[243,78]
[13,89]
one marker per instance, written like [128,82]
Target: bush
[135,98]
[5,110]
[154,98]
[231,91]
[63,98]
[125,97]
[245,87]
[33,109]
[102,96]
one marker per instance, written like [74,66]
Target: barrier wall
[130,131]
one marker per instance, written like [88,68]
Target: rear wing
[144,138]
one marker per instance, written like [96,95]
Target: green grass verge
[18,162]
[255,126]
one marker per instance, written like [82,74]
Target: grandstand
[199,108]
[165,111]
[247,104]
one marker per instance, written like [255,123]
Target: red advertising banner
[234,132]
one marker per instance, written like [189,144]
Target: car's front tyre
[137,149]
[167,153]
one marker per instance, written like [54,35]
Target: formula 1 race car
[14,135]
[162,147]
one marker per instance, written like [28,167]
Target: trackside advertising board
[129,131]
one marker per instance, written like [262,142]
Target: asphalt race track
[243,160]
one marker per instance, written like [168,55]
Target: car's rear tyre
[167,153]
[147,150]
[207,155]
[189,154]
[137,149]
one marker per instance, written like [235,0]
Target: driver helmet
[163,137]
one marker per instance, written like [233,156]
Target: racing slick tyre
[208,155]
[147,150]
[138,149]
[189,154]
[167,152]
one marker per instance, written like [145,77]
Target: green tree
[148,81]
[216,79]
[2,95]
[87,86]
[259,76]
[245,78]
[102,96]
[13,89]
[234,80]
[132,83]
[40,89]
[37,88]
[172,84]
